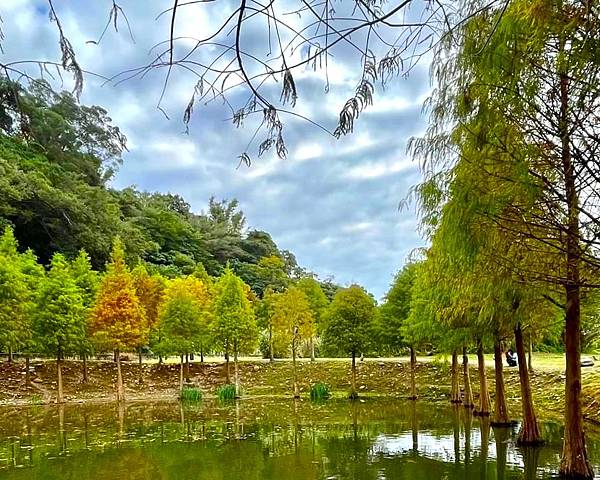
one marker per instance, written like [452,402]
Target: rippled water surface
[269,439]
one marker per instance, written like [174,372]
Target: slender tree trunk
[271,354]
[120,389]
[413,383]
[160,359]
[484,394]
[574,461]
[84,367]
[500,409]
[201,353]
[312,349]
[237,375]
[529,433]
[181,374]
[529,355]
[27,374]
[10,354]
[353,391]
[468,398]
[141,367]
[59,380]
[454,388]
[227,371]
[187,368]
[294,372]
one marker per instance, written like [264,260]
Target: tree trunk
[10,354]
[500,409]
[529,433]
[201,354]
[468,398]
[27,374]
[187,368]
[141,368]
[271,355]
[312,349]
[574,462]
[529,355]
[413,383]
[501,437]
[181,374]
[294,373]
[59,380]
[160,359]
[484,394]
[227,372]
[353,391]
[120,389]
[84,367]
[237,376]
[454,388]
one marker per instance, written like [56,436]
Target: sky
[333,203]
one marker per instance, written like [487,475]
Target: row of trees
[71,309]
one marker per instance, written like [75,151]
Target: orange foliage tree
[118,319]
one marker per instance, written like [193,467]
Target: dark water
[269,439]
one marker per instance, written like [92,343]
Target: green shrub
[226,392]
[191,394]
[319,391]
[36,399]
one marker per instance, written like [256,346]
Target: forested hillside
[57,158]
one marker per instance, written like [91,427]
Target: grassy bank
[259,378]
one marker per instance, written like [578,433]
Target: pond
[269,439]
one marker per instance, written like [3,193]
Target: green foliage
[60,312]
[226,392]
[234,325]
[319,391]
[190,394]
[316,298]
[349,321]
[293,320]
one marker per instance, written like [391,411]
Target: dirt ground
[389,377]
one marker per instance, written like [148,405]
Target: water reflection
[378,439]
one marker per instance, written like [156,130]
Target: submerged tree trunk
[119,390]
[484,394]
[574,462]
[455,387]
[529,433]
[501,437]
[59,380]
[353,391]
[413,383]
[468,398]
[500,409]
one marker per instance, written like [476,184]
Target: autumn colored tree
[60,315]
[184,316]
[118,318]
[234,325]
[149,290]
[349,325]
[293,320]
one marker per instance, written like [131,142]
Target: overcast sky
[333,203]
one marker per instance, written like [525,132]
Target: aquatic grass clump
[319,391]
[226,392]
[191,394]
[36,399]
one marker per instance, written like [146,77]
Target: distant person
[511,358]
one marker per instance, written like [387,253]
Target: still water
[269,439]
